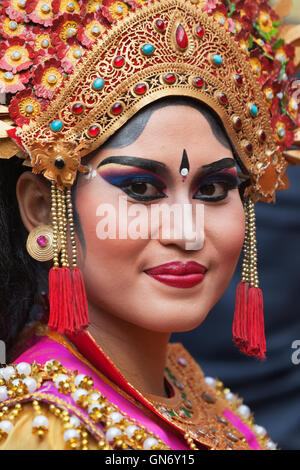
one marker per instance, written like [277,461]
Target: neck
[139,354]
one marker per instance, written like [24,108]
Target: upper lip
[178,268]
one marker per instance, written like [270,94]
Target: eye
[216,189]
[142,190]
[212,189]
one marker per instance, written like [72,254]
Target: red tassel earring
[67,296]
[248,324]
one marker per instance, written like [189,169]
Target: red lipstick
[178,274]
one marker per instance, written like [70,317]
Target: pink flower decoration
[210,6]
[17,14]
[18,104]
[16,83]
[47,78]
[35,16]
[15,47]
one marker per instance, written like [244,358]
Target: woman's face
[115,268]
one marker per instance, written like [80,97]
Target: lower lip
[183,281]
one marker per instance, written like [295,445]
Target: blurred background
[294,16]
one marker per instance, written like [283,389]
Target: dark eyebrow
[145,163]
[217,166]
[159,167]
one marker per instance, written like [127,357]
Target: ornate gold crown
[168,48]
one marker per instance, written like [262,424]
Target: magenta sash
[47,349]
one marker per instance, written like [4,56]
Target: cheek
[224,231]
[103,217]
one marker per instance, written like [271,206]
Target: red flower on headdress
[15,55]
[65,6]
[16,9]
[118,10]
[91,6]
[93,28]
[283,130]
[41,40]
[261,65]
[285,56]
[267,21]
[247,10]
[42,55]
[11,83]
[70,54]
[25,106]
[40,11]
[220,15]
[271,87]
[48,76]
[11,28]
[133,5]
[65,27]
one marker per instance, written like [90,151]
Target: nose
[181,224]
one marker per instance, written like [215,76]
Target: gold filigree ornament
[164,48]
[58,161]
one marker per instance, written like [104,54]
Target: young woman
[166,144]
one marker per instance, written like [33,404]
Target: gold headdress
[129,53]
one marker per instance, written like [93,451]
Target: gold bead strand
[245,265]
[40,423]
[54,224]
[71,227]
[65,226]
[60,217]
[253,275]
[190,441]
[7,418]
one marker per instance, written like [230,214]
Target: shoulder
[224,410]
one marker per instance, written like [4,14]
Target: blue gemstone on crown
[254,110]
[147,49]
[56,125]
[98,83]
[217,59]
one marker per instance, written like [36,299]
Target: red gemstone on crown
[249,147]
[160,25]
[140,89]
[181,38]
[237,123]
[223,99]
[42,240]
[170,78]
[119,61]
[94,131]
[238,79]
[198,82]
[262,136]
[77,108]
[117,108]
[199,30]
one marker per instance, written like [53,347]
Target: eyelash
[228,182]
[157,185]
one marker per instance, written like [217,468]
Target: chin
[171,321]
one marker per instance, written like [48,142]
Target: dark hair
[21,277]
